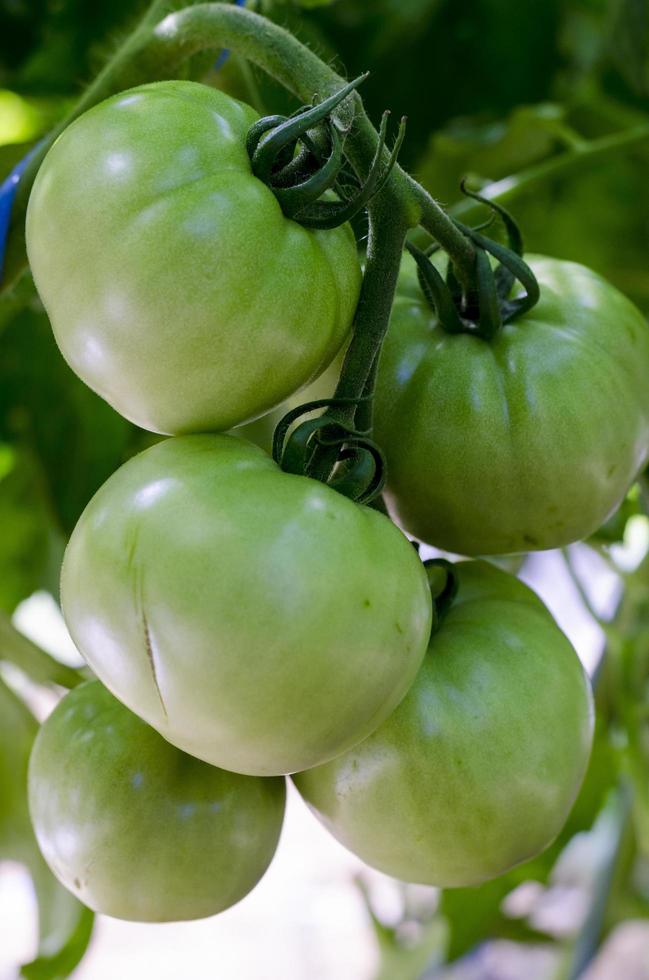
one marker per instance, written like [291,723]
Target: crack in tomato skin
[148,646]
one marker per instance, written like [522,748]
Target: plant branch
[587,941]
[387,233]
[580,155]
[156,51]
[15,648]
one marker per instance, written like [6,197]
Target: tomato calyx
[485,305]
[300,158]
[358,471]
[444,584]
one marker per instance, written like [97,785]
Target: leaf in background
[598,216]
[75,436]
[306,4]
[18,728]
[613,530]
[26,527]
[433,60]
[64,927]
[474,915]
[630,44]
[48,47]
[488,148]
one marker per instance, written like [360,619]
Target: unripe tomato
[175,286]
[526,442]
[259,620]
[478,767]
[137,829]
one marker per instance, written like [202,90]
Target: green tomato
[175,286]
[18,728]
[257,619]
[135,828]
[526,442]
[478,767]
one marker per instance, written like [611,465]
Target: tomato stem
[156,51]
[387,234]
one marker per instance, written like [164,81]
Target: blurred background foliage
[492,89]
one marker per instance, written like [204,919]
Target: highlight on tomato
[478,767]
[524,441]
[176,287]
[136,828]
[258,619]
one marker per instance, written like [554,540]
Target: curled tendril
[307,191]
[264,150]
[285,423]
[442,598]
[331,214]
[436,291]
[300,157]
[486,305]
[516,266]
[359,468]
[511,266]
[514,236]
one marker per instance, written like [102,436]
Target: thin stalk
[156,51]
[17,649]
[579,586]
[587,941]
[387,233]
[579,156]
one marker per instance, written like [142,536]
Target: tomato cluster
[251,623]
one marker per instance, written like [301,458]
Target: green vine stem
[157,50]
[17,649]
[387,234]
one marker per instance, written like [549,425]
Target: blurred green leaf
[64,927]
[76,437]
[613,530]
[18,728]
[51,46]
[26,528]
[64,924]
[488,148]
[630,44]
[306,4]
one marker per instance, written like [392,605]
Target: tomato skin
[478,767]
[137,829]
[175,286]
[525,443]
[258,620]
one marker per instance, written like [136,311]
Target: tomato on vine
[137,829]
[257,619]
[477,769]
[176,286]
[524,440]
